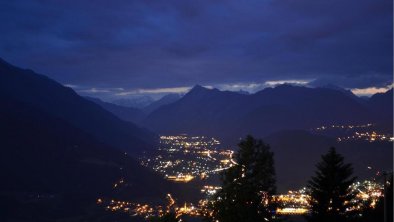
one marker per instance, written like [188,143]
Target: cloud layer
[172,44]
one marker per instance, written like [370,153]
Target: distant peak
[198,88]
[285,85]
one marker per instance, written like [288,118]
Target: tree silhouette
[330,188]
[247,186]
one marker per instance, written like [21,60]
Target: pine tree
[247,186]
[330,188]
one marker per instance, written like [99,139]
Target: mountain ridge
[63,102]
[209,111]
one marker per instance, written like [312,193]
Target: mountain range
[61,151]
[138,102]
[131,114]
[283,116]
[125,113]
[229,115]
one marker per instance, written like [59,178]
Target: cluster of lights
[294,202]
[369,136]
[345,126]
[147,211]
[118,183]
[356,132]
[180,178]
[189,141]
[134,209]
[183,158]
[210,190]
[366,195]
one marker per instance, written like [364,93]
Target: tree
[330,188]
[247,186]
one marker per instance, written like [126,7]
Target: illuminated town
[147,211]
[366,195]
[371,137]
[182,158]
[294,202]
[368,125]
[354,132]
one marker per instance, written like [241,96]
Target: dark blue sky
[153,46]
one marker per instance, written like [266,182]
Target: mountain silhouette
[130,114]
[62,102]
[167,99]
[53,167]
[232,115]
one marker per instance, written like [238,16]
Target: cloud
[249,87]
[98,90]
[72,86]
[155,91]
[165,44]
[291,81]
[371,90]
[122,92]
[253,87]
[355,81]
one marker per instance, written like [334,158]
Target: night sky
[124,48]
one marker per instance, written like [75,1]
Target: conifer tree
[330,188]
[247,186]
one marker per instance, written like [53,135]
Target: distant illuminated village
[184,158]
[354,132]
[366,195]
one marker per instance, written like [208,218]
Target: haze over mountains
[165,100]
[138,102]
[130,114]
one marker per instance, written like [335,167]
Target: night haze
[262,110]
